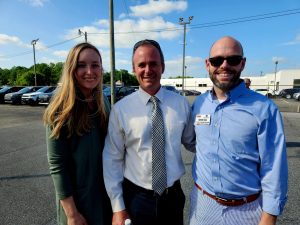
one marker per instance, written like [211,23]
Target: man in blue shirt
[240,168]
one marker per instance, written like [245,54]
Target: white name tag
[202,119]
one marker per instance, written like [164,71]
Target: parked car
[33,97]
[195,92]
[16,97]
[8,89]
[296,96]
[288,93]
[121,92]
[45,97]
[189,92]
[264,92]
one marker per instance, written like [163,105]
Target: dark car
[33,97]
[8,89]
[121,91]
[288,93]
[189,92]
[16,97]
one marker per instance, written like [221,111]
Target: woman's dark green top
[76,170]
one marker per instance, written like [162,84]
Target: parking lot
[26,190]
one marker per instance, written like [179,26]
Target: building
[281,80]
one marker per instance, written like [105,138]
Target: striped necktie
[159,172]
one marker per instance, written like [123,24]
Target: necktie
[159,173]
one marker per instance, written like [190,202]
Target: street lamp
[33,42]
[81,33]
[184,23]
[275,87]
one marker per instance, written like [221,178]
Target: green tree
[15,72]
[45,74]
[127,78]
[56,71]
[4,76]
[106,78]
[27,78]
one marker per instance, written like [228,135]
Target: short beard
[226,86]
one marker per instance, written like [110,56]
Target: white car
[264,92]
[33,97]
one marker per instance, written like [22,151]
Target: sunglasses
[233,60]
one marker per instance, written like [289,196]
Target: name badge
[202,119]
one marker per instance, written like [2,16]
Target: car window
[50,89]
[4,89]
[23,90]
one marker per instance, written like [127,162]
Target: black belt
[132,186]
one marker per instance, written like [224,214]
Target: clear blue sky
[56,24]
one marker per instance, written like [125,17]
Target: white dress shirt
[128,146]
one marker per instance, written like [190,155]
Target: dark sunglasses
[233,60]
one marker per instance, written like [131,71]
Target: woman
[76,121]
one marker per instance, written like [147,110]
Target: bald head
[225,45]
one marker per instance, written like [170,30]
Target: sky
[269,31]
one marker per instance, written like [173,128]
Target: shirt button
[215,178]
[216,124]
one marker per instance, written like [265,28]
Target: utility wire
[194,26]
[30,51]
[218,23]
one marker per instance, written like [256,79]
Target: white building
[281,80]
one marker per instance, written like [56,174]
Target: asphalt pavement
[26,189]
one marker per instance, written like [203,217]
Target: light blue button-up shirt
[241,147]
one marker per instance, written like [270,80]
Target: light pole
[275,87]
[112,51]
[184,23]
[33,42]
[81,33]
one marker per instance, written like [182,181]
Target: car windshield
[4,89]
[24,90]
[43,89]
[50,89]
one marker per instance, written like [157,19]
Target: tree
[27,78]
[16,72]
[122,75]
[56,71]
[4,76]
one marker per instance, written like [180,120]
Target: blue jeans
[147,208]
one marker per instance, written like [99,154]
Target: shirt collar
[233,94]
[145,97]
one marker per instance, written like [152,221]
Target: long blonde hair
[65,110]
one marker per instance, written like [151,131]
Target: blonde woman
[76,121]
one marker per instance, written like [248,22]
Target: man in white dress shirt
[127,156]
